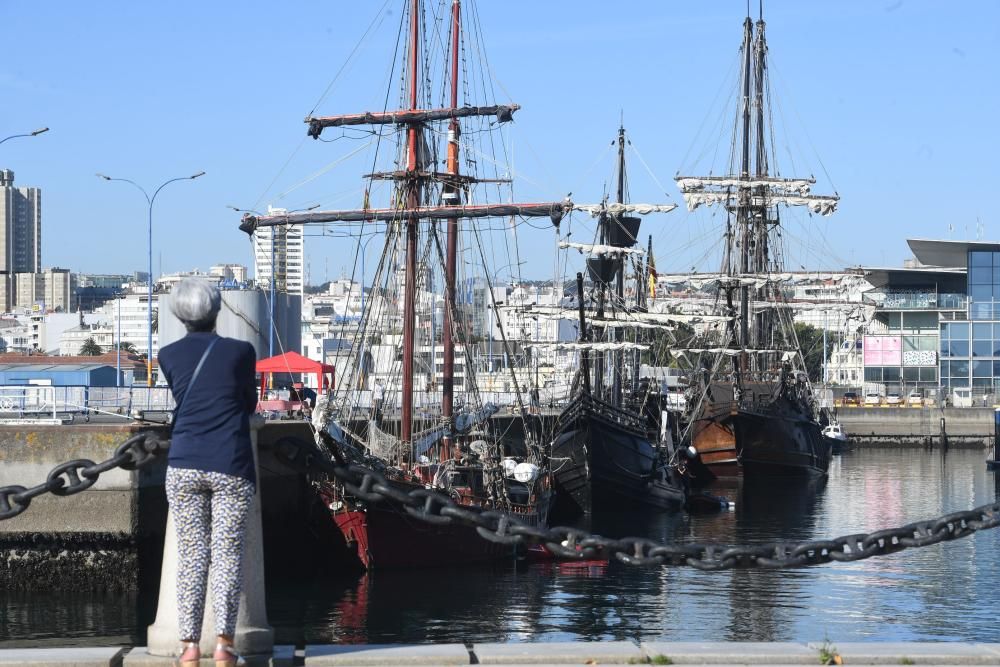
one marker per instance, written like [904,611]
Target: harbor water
[945,592]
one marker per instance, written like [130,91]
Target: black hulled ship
[752,407]
[607,452]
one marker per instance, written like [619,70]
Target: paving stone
[283,656]
[387,654]
[729,653]
[535,653]
[920,653]
[91,656]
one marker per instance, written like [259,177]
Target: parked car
[851,398]
[893,398]
[915,398]
[873,399]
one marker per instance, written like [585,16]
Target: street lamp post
[149,305]
[29,134]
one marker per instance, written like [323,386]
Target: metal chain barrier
[434,507]
[437,508]
[72,477]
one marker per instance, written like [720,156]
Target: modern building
[936,325]
[279,256]
[129,320]
[20,226]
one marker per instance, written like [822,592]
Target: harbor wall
[110,537]
[905,426]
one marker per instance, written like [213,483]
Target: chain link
[434,507]
[438,508]
[72,477]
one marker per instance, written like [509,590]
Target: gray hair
[196,303]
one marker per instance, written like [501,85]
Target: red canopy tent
[293,362]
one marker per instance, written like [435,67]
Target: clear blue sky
[897,99]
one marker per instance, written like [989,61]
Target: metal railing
[56,402]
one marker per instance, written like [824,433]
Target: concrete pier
[918,427]
[557,653]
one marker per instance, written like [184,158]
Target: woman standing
[210,467]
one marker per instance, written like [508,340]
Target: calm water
[944,592]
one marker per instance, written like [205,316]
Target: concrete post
[253,634]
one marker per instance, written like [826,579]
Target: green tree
[811,344]
[90,348]
[125,346]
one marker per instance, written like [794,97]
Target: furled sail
[598,249]
[699,280]
[821,204]
[554,210]
[699,183]
[599,347]
[503,112]
[629,316]
[615,209]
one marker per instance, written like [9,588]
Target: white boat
[835,435]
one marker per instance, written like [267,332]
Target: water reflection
[943,592]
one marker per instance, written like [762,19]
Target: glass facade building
[936,324]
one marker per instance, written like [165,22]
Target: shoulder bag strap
[194,376]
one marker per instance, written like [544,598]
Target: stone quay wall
[110,537]
[918,427]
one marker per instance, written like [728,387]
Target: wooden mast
[452,196]
[412,202]
[619,371]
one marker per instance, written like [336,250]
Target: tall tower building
[20,226]
[279,255]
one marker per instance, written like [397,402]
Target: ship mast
[743,208]
[412,185]
[616,395]
[452,195]
[412,177]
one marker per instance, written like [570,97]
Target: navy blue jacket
[212,429]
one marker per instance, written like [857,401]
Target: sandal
[190,655]
[226,656]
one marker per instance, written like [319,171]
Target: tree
[125,346]
[811,344]
[90,348]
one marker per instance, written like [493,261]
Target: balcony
[916,300]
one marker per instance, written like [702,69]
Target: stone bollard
[253,634]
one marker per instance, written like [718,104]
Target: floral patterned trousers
[210,511]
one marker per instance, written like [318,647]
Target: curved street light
[149,280]
[29,134]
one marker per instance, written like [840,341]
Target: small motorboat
[836,437]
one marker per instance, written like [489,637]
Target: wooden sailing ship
[456,452]
[753,412]
[606,451]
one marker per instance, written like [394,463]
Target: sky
[891,103]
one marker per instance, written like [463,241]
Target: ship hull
[774,439]
[386,537]
[602,459]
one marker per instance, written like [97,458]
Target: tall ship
[611,448]
[752,409]
[396,408]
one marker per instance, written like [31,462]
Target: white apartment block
[132,313]
[279,256]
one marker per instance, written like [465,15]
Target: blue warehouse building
[58,375]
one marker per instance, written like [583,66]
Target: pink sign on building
[883,350]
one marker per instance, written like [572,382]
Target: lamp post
[149,280]
[29,134]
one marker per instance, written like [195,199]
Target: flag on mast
[652,270]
